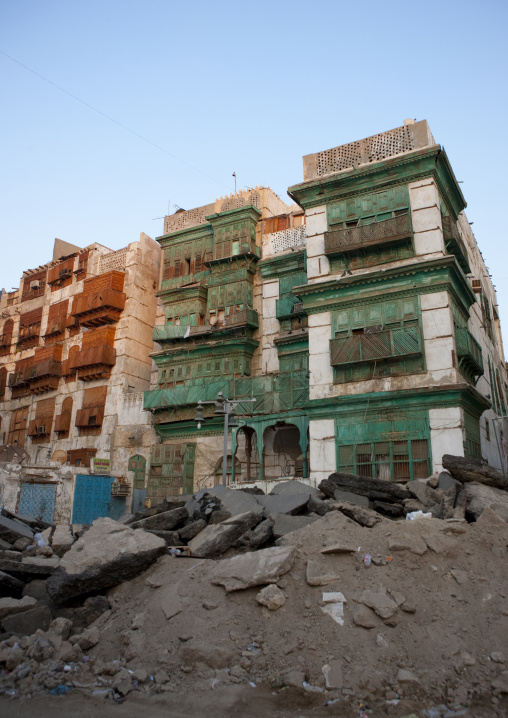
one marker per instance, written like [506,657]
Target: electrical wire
[111,119]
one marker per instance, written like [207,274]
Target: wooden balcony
[40,427]
[95,309]
[93,363]
[348,239]
[56,328]
[44,376]
[469,352]
[243,318]
[288,306]
[454,244]
[29,337]
[376,346]
[62,423]
[90,417]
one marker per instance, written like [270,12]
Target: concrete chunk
[62,539]
[214,540]
[254,569]
[10,586]
[28,622]
[165,521]
[293,487]
[283,503]
[233,500]
[107,554]
[9,606]
[12,530]
[284,524]
[480,497]
[380,603]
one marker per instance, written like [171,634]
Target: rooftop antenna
[234,175]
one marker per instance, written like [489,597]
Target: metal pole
[225,452]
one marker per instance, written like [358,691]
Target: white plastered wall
[318,266]
[438,336]
[320,369]
[322,449]
[271,327]
[446,434]
[426,217]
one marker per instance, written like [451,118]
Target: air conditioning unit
[476,285]
[298,307]
[36,284]
[40,429]
[92,421]
[64,273]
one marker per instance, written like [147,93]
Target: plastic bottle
[367,560]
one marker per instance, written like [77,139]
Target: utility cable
[111,119]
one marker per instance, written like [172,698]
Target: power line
[111,119]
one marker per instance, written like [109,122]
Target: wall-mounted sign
[101,466]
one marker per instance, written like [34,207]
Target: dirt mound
[434,598]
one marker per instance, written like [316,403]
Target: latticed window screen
[392,444]
[171,470]
[472,446]
[365,346]
[389,460]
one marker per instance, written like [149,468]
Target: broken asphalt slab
[254,569]
[107,554]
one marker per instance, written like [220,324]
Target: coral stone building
[75,340]
[362,319]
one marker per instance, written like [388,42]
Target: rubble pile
[322,597]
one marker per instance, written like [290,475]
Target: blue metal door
[92,498]
[38,500]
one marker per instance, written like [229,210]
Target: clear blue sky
[232,86]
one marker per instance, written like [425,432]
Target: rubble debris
[374,489]
[283,524]
[283,503]
[62,539]
[254,569]
[320,574]
[164,521]
[293,487]
[11,530]
[215,539]
[272,597]
[480,496]
[234,501]
[10,606]
[108,553]
[27,622]
[364,517]
[466,470]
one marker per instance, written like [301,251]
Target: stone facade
[75,344]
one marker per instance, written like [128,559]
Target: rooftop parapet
[263,198]
[409,137]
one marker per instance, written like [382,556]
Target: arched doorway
[137,464]
[282,452]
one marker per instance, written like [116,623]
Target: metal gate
[92,499]
[38,500]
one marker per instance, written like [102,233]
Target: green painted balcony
[454,244]
[469,352]
[288,306]
[244,317]
[375,346]
[274,393]
[167,332]
[347,239]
